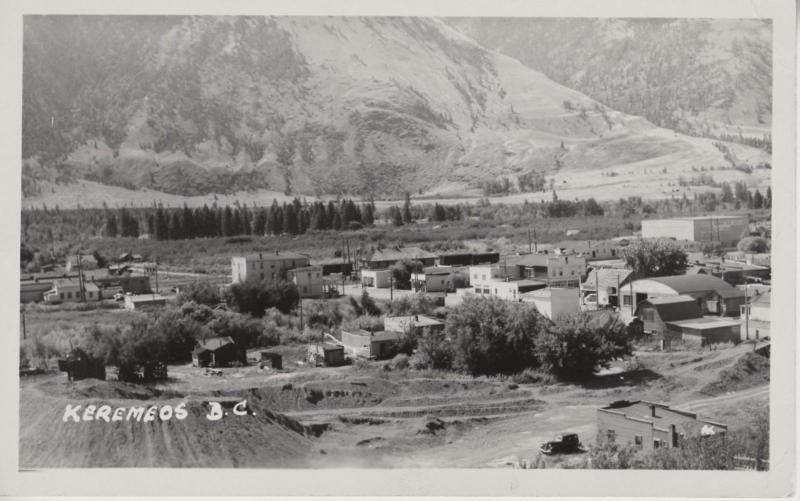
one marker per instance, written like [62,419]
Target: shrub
[255,298]
[532,376]
[400,361]
[201,292]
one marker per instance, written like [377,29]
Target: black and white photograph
[402,242]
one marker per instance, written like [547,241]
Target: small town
[688,291]
[468,241]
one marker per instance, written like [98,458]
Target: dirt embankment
[259,438]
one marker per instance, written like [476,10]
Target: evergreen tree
[260,222]
[407,209]
[768,198]
[227,222]
[111,226]
[758,200]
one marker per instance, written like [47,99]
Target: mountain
[312,105]
[706,77]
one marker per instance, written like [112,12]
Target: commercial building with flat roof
[268,267]
[727,230]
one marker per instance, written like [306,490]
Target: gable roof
[608,277]
[214,343]
[673,308]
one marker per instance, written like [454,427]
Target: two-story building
[308,280]
[649,425]
[267,267]
[553,269]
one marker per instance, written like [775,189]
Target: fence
[746,463]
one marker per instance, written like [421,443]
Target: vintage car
[564,443]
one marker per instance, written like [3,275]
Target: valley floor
[368,416]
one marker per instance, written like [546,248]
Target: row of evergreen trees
[293,218]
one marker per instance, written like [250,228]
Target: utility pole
[391,286]
[535,246]
[24,329]
[344,265]
[156,268]
[301,314]
[530,248]
[746,311]
[81,290]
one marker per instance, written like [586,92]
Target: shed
[78,365]
[274,360]
[327,354]
[218,352]
[707,330]
[368,344]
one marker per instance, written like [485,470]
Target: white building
[139,301]
[556,270]
[553,302]
[268,267]
[70,291]
[727,230]
[380,279]
[434,279]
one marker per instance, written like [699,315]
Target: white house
[308,281]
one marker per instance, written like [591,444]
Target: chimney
[653,411]
[260,255]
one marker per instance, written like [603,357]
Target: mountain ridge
[365,106]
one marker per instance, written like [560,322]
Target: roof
[725,294]
[417,320]
[608,277]
[87,258]
[145,298]
[438,270]
[324,347]
[703,323]
[400,254]
[672,308]
[272,256]
[214,343]
[683,284]
[377,336]
[307,268]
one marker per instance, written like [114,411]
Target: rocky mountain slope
[360,106]
[701,76]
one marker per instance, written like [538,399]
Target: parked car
[119,296]
[564,443]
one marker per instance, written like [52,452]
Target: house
[327,354]
[605,283]
[70,291]
[458,258]
[553,269]
[724,229]
[218,352]
[266,267]
[274,360]
[386,258]
[649,425]
[87,262]
[308,281]
[143,301]
[433,279]
[416,322]
[657,311]
[590,249]
[380,279]
[553,302]
[508,290]
[712,294]
[125,257]
[362,343]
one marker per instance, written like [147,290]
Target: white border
[780,481]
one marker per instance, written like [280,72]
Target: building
[508,290]
[590,249]
[218,352]
[605,283]
[333,266]
[327,354]
[362,343]
[141,301]
[268,267]
[699,332]
[656,312]
[32,291]
[456,258]
[735,273]
[380,279]
[386,258]
[553,269]
[416,322]
[649,425]
[727,230]
[87,262]
[712,294]
[70,291]
[433,279]
[554,302]
[308,280]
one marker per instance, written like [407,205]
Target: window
[638,440]
[611,436]
[626,300]
[262,276]
[69,295]
[487,291]
[656,443]
[62,295]
[648,315]
[91,294]
[273,275]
